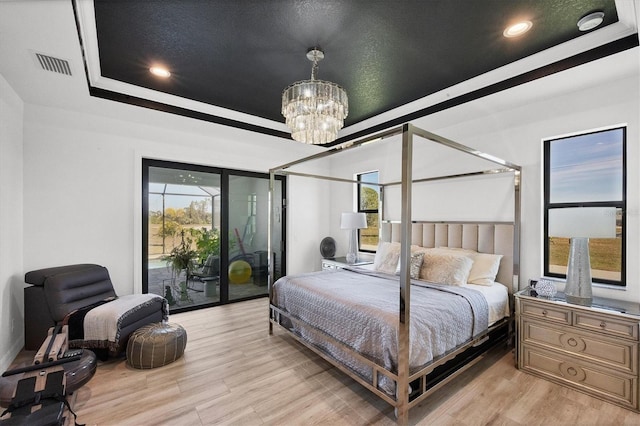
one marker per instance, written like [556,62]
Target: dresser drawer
[548,312]
[616,353]
[603,323]
[615,387]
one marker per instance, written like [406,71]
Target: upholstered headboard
[494,238]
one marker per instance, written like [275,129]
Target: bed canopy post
[270,260]
[402,388]
[515,283]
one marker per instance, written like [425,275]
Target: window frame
[366,211]
[225,175]
[618,204]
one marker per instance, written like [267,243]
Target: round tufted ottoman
[155,345]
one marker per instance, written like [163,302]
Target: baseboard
[7,358]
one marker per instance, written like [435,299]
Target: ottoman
[155,345]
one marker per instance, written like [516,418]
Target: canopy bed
[438,295]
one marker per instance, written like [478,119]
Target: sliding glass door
[205,234]
[248,225]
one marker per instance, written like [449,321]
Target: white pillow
[445,268]
[485,265]
[415,265]
[485,268]
[386,259]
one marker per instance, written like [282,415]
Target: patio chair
[210,270]
[209,275]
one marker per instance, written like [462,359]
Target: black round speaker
[328,247]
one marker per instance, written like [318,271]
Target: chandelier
[314,109]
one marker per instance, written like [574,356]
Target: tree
[368,199]
[176,215]
[170,229]
[155,217]
[207,242]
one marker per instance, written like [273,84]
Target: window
[368,200]
[585,177]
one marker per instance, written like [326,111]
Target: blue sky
[174,201]
[587,167]
[370,177]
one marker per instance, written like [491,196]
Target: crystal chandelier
[314,109]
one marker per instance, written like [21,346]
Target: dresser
[593,349]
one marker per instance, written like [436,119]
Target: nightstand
[593,349]
[341,262]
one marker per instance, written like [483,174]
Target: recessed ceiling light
[590,21]
[160,72]
[517,29]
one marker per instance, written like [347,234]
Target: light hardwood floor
[234,372]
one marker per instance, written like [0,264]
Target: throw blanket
[361,310]
[75,320]
[102,324]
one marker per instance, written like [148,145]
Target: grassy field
[606,253]
[155,242]
[369,238]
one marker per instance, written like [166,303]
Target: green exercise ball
[239,272]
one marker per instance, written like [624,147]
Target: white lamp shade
[590,222]
[352,220]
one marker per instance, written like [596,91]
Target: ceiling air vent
[49,63]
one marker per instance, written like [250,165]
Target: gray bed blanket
[360,309]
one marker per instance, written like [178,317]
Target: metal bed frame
[429,378]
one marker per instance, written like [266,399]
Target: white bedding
[497,298]
[496,294]
[361,311]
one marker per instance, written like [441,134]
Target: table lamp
[353,221]
[579,224]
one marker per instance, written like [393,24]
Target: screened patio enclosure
[205,234]
[204,201]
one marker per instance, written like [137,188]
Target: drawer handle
[573,343]
[603,324]
[544,312]
[573,373]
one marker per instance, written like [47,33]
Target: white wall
[71,188]
[515,133]
[81,176]
[308,221]
[83,179]
[11,245]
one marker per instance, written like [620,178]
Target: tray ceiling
[230,60]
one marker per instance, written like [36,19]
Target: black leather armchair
[57,293]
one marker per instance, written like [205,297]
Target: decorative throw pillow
[386,259]
[416,264]
[445,268]
[485,268]
[381,251]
